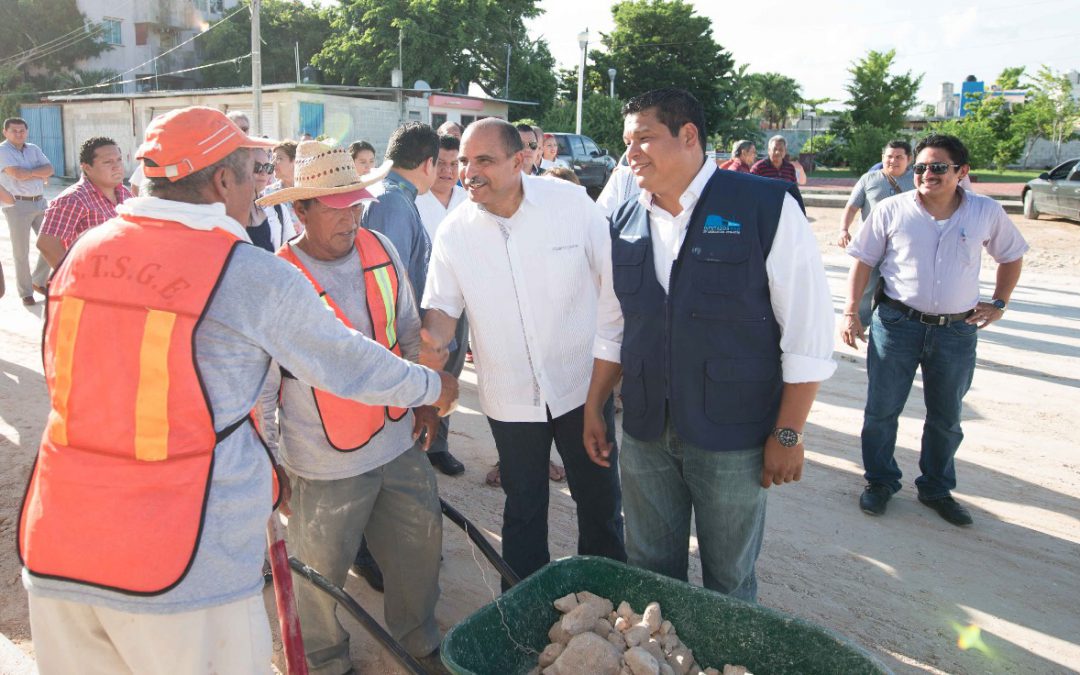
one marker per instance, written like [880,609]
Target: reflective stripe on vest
[117,495]
[347,424]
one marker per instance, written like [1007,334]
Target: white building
[139,30]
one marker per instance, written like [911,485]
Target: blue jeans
[524,448]
[667,479]
[897,347]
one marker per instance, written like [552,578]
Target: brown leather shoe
[40,289]
[29,301]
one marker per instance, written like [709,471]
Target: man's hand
[781,465]
[844,239]
[984,315]
[432,354]
[284,490]
[449,393]
[595,437]
[851,329]
[425,420]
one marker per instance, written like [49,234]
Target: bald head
[508,134]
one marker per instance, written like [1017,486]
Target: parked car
[1056,192]
[587,159]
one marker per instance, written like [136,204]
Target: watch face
[1000,304]
[787,437]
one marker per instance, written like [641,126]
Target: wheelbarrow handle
[509,576]
[366,620]
[292,640]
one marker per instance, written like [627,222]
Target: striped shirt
[78,208]
[764,167]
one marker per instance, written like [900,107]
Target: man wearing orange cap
[143,529]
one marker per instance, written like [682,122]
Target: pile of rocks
[592,637]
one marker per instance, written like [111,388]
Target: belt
[923,317]
[28,199]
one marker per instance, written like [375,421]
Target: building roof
[381,93]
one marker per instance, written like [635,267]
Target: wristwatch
[999,303]
[788,438]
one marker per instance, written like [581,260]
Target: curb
[13,661]
[835,201]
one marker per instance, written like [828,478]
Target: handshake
[434,355]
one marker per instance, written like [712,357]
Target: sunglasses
[937,168]
[532,145]
[264,167]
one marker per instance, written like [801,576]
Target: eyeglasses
[264,167]
[937,168]
[532,145]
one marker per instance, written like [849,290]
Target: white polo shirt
[535,286]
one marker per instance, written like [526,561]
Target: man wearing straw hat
[143,529]
[355,469]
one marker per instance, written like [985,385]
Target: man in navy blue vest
[728,327]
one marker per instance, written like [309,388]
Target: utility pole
[401,79]
[583,42]
[256,69]
[506,89]
[296,53]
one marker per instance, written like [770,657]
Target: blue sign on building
[970,92]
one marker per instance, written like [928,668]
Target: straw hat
[327,173]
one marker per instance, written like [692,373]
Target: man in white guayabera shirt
[527,259]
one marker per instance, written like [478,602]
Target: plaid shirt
[79,208]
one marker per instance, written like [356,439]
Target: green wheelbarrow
[505,636]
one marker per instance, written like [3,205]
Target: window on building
[110,31]
[142,33]
[437,120]
[414,115]
[466,120]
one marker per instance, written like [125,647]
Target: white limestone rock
[566,603]
[550,653]
[579,620]
[588,654]
[636,635]
[625,610]
[641,662]
[652,617]
[602,627]
[735,670]
[558,634]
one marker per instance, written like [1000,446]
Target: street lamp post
[583,42]
[611,76]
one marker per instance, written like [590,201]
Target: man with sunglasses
[928,243]
[530,141]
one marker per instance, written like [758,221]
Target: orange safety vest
[118,492]
[350,425]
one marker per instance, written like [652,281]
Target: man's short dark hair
[448,142]
[356,147]
[952,145]
[90,146]
[527,129]
[897,145]
[412,144]
[15,120]
[674,108]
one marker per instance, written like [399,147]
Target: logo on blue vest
[717,225]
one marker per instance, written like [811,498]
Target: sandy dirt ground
[901,585]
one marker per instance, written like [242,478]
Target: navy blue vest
[707,354]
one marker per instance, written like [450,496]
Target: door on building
[311,119]
[46,130]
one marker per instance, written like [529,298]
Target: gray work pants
[22,217]
[454,365]
[397,507]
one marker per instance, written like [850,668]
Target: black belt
[923,317]
[27,199]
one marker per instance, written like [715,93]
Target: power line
[44,45]
[54,47]
[141,78]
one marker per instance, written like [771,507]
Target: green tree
[282,24]
[879,98]
[601,120]
[448,43]
[664,43]
[990,116]
[774,97]
[1052,112]
[976,133]
[41,41]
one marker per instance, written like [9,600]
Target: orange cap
[184,141]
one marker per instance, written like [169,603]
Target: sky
[816,42]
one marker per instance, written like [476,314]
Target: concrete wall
[1042,154]
[345,119]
